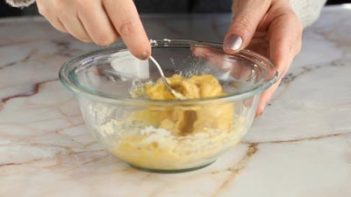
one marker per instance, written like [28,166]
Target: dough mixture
[177,136]
[184,120]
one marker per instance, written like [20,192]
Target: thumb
[247,16]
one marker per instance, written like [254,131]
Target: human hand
[98,21]
[270,25]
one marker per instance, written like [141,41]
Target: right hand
[270,27]
[98,21]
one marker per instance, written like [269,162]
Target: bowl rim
[260,60]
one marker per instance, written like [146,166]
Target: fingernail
[233,43]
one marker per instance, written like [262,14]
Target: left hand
[265,23]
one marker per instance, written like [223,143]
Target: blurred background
[167,6]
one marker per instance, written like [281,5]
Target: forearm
[307,10]
[20,3]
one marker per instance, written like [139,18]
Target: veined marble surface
[301,146]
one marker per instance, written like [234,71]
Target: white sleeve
[307,10]
[20,3]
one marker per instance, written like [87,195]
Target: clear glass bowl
[133,128]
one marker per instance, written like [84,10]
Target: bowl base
[165,171]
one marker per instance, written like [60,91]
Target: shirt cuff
[307,10]
[20,3]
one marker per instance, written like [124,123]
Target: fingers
[96,23]
[100,21]
[266,97]
[126,21]
[74,26]
[57,24]
[63,16]
[85,20]
[285,35]
[54,21]
[260,44]
[210,54]
[247,16]
[285,32]
[224,62]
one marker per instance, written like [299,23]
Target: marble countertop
[301,146]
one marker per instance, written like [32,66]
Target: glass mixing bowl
[140,131]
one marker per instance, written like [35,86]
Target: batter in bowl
[183,120]
[178,136]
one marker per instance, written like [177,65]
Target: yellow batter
[210,123]
[182,120]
